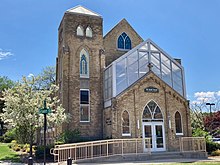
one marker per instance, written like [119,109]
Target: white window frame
[79,31]
[89,32]
[179,134]
[83,51]
[84,105]
[126,134]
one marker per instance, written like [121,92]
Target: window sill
[124,50]
[84,121]
[179,134]
[126,134]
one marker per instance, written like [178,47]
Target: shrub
[9,136]
[69,136]
[211,146]
[215,153]
[1,138]
[39,153]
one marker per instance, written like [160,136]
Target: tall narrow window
[84,64]
[178,122]
[79,31]
[84,105]
[125,124]
[124,42]
[88,32]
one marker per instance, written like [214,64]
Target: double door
[155,132]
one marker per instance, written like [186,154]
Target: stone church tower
[80,64]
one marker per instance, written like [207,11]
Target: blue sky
[186,29]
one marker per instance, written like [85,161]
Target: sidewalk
[162,161]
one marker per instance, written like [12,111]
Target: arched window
[125,124]
[79,31]
[88,32]
[178,123]
[84,64]
[124,41]
[152,112]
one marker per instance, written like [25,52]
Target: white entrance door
[154,131]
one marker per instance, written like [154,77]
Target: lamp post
[210,104]
[45,111]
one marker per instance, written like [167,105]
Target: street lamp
[210,104]
[45,111]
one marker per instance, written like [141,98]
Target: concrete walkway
[162,161]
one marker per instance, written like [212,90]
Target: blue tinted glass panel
[124,35]
[83,65]
[120,42]
[127,43]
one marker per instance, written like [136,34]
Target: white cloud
[30,75]
[5,54]
[204,97]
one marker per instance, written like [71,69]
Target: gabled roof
[123,21]
[82,10]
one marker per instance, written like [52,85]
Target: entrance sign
[151,90]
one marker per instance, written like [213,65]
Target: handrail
[192,144]
[97,149]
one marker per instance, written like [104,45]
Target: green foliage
[216,153]
[5,83]
[39,154]
[46,78]
[9,136]
[22,134]
[70,136]
[198,132]
[211,146]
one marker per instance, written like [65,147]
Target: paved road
[162,161]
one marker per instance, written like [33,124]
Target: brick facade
[107,122]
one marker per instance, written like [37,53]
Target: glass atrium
[133,65]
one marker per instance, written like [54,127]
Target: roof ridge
[82,10]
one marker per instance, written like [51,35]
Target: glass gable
[134,64]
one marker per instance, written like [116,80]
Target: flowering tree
[22,104]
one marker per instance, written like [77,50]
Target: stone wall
[111,38]
[134,100]
[69,49]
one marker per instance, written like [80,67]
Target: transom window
[178,123]
[152,112]
[84,64]
[124,42]
[84,105]
[125,124]
[88,32]
[79,31]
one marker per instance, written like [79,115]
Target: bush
[39,154]
[211,146]
[69,136]
[215,153]
[9,136]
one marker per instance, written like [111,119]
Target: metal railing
[192,144]
[102,148]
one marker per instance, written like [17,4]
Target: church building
[118,85]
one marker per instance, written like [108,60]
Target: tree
[212,123]
[46,78]
[22,104]
[5,83]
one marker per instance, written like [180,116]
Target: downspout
[187,118]
[167,116]
[135,115]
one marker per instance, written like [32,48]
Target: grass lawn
[7,154]
[194,163]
